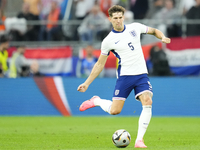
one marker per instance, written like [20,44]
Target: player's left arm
[157,33]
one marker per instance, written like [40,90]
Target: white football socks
[144,120]
[104,104]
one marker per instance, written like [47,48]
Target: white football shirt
[127,48]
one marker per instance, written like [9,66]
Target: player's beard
[119,27]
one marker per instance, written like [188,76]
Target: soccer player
[124,42]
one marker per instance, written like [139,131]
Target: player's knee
[147,101]
[114,111]
[146,98]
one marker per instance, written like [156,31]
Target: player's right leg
[112,108]
[116,107]
[122,89]
[88,103]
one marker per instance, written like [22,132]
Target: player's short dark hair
[114,9]
[4,38]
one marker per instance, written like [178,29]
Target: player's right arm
[98,67]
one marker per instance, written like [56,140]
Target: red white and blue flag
[52,61]
[184,55]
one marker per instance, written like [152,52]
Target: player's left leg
[143,93]
[145,117]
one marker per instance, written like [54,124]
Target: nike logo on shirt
[116,42]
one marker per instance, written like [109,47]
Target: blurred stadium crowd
[24,23]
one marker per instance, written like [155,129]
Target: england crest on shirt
[133,33]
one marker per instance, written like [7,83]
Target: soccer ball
[121,138]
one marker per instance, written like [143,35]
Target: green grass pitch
[95,133]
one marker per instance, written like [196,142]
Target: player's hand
[82,88]
[166,40]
